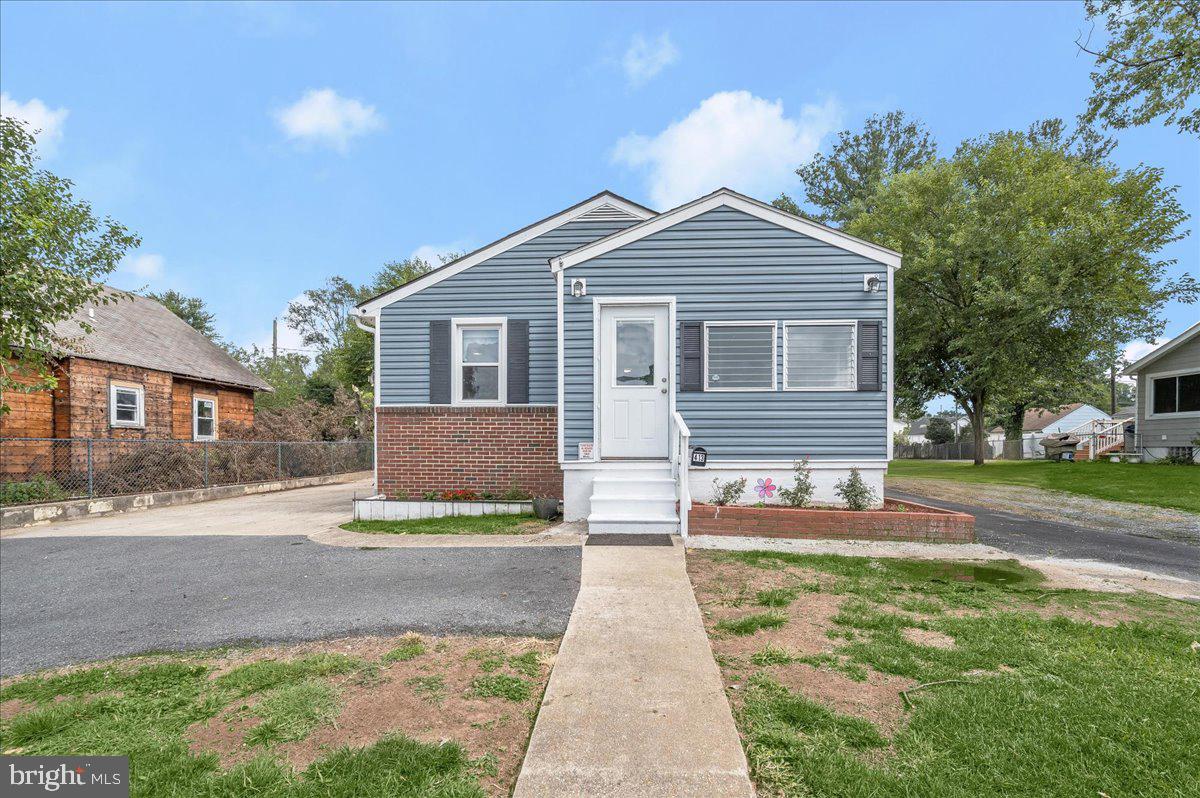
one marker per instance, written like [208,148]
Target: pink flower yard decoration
[765,489]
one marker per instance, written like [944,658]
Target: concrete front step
[635,507]
[601,525]
[624,487]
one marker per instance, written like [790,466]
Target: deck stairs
[1099,437]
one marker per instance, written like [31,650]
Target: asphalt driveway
[74,599]
[1034,537]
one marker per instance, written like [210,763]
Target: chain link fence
[964,450]
[34,470]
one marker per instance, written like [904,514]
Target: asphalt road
[75,599]
[1034,537]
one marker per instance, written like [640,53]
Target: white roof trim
[1178,340]
[602,200]
[726,198]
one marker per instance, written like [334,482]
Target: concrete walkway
[635,705]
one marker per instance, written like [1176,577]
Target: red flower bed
[898,520]
[459,496]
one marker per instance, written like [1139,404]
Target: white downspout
[374,331]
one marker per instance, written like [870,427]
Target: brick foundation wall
[476,448]
[917,522]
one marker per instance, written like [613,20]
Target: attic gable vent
[606,212]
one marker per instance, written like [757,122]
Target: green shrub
[801,493]
[855,492]
[728,492]
[37,490]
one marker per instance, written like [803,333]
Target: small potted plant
[545,507]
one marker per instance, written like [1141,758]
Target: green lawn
[454,525]
[1172,486]
[1031,697]
[144,712]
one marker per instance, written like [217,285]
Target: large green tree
[840,185]
[1149,67]
[352,359]
[54,254]
[191,309]
[1021,261]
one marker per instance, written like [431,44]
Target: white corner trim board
[434,277]
[730,199]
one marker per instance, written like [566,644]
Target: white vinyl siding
[126,405]
[819,356]
[739,356]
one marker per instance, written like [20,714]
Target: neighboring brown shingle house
[142,372]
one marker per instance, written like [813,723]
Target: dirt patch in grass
[928,637]
[427,696]
[13,707]
[877,699]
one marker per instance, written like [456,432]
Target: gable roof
[725,197]
[1169,346]
[1038,418]
[603,206]
[137,331]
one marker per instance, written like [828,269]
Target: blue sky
[259,148]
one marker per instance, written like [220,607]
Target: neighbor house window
[479,353]
[204,418]
[819,356]
[126,405]
[1175,393]
[739,356]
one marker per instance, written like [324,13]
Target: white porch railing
[1100,435]
[680,460]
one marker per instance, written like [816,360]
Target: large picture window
[1172,394]
[479,355]
[819,356]
[739,356]
[126,405]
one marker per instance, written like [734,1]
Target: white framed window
[480,353]
[204,418]
[739,356]
[126,404]
[820,355]
[1174,394]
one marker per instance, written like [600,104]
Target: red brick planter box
[916,522]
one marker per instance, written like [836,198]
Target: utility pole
[274,339]
[1112,389]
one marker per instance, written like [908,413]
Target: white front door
[634,380]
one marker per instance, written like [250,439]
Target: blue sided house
[623,359]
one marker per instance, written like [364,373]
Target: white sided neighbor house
[622,359]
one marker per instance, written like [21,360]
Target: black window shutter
[439,362]
[870,356]
[518,361]
[691,360]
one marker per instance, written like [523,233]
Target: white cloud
[645,59]
[45,123]
[143,267]
[323,117]
[732,139]
[1138,349]
[433,253]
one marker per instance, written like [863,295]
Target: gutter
[358,322]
